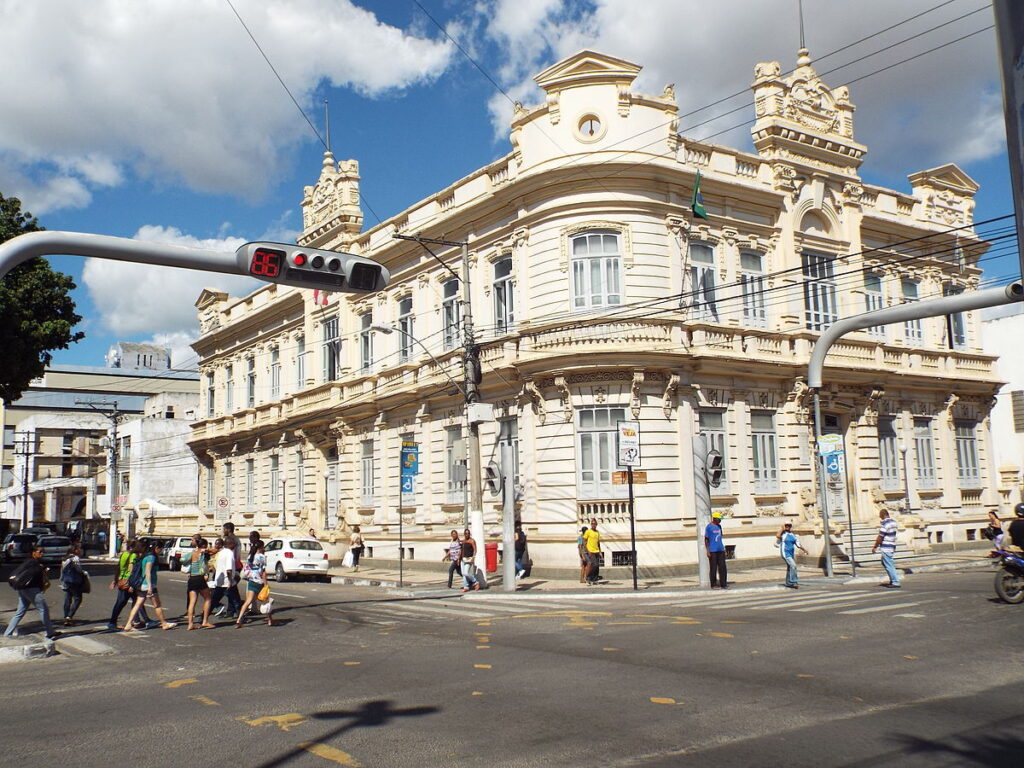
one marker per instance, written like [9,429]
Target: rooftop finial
[803,56]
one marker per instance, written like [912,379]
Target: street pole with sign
[410,462]
[629,457]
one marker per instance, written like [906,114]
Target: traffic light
[715,468]
[493,481]
[311,268]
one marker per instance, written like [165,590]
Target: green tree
[37,313]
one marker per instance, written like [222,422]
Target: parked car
[17,546]
[287,557]
[178,549]
[55,548]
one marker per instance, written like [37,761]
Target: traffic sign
[833,463]
[629,443]
[408,483]
[223,508]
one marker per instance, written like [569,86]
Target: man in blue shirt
[789,543]
[716,552]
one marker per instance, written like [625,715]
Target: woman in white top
[355,545]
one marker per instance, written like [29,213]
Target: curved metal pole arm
[947,305]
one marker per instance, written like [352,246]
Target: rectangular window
[967,470]
[752,283]
[405,329]
[275,374]
[451,311]
[250,382]
[211,478]
[712,425]
[702,282]
[508,433]
[1017,403]
[331,350]
[596,270]
[300,363]
[455,464]
[8,436]
[126,449]
[924,453]
[956,324]
[229,389]
[765,452]
[211,392]
[912,330]
[595,449]
[275,481]
[888,454]
[366,473]
[504,296]
[228,488]
[874,299]
[126,484]
[300,477]
[250,483]
[821,307]
[365,341]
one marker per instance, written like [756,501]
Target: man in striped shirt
[886,542]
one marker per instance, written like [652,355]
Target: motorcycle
[1010,578]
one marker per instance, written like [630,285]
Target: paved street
[828,675]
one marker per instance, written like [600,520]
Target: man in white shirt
[225,580]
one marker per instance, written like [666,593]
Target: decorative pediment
[587,68]
[946,177]
[800,118]
[208,297]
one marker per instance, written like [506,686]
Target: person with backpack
[198,565]
[125,594]
[520,547]
[73,580]
[29,580]
[143,580]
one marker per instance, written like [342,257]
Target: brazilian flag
[697,204]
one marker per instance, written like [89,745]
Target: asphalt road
[830,675]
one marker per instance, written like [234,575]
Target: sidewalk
[432,583]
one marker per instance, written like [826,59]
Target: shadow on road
[369,715]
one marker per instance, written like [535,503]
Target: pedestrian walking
[30,580]
[453,554]
[592,551]
[716,552]
[74,581]
[143,580]
[581,547]
[101,539]
[520,546]
[225,580]
[198,569]
[469,580]
[254,573]
[125,594]
[789,543]
[355,546]
[886,543]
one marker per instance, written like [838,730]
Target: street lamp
[906,478]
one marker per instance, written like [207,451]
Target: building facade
[598,296]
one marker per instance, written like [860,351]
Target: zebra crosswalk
[849,602]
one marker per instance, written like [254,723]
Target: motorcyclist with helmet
[1014,538]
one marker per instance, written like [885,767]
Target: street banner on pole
[629,443]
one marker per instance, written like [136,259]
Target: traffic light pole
[702,504]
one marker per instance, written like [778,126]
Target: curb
[40,650]
[79,645]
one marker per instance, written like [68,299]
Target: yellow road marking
[351,663]
[657,700]
[330,753]
[729,621]
[483,623]
[478,693]
[204,700]
[481,666]
[717,634]
[179,683]
[482,647]
[284,722]
[805,675]
[610,649]
[689,623]
[628,623]
[911,658]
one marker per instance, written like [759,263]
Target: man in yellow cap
[716,552]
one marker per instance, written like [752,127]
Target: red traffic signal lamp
[311,268]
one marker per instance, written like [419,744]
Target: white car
[177,550]
[296,557]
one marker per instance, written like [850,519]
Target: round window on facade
[590,128]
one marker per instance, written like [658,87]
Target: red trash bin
[491,550]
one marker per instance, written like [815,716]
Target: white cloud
[920,114]
[179,342]
[135,299]
[179,91]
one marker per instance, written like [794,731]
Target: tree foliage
[37,313]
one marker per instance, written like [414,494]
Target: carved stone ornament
[564,397]
[668,400]
[600,395]
[951,401]
[536,399]
[784,177]
[636,400]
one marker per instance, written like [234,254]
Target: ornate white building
[598,296]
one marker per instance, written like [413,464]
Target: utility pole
[25,446]
[109,409]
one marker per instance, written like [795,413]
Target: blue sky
[163,121]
